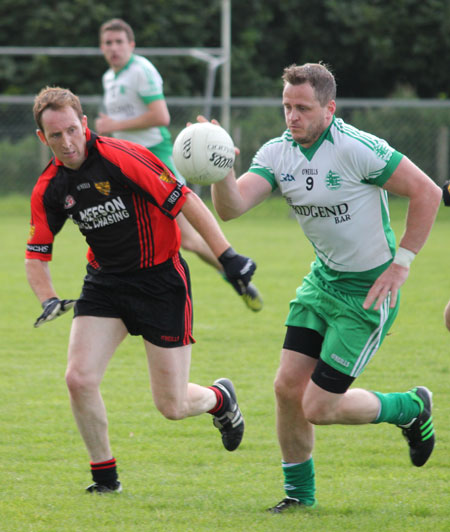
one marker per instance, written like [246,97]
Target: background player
[136,110]
[335,178]
[124,201]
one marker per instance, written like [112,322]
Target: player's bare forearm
[422,212]
[202,219]
[424,200]
[38,276]
[232,198]
[238,269]
[156,116]
[422,209]
[226,197]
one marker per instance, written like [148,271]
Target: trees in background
[374,47]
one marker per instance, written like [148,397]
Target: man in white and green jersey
[136,110]
[335,179]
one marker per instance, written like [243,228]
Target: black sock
[105,472]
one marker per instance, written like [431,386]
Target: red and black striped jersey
[123,199]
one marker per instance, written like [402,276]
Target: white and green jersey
[334,189]
[127,94]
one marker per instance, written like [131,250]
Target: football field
[176,475]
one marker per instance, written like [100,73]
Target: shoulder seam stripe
[153,165]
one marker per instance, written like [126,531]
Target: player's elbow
[226,210]
[436,195]
[226,213]
[165,121]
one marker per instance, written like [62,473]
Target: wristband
[404,257]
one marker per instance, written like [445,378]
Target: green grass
[176,475]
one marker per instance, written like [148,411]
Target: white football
[203,153]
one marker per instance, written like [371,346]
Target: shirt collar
[131,60]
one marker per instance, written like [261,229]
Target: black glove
[446,193]
[53,308]
[238,269]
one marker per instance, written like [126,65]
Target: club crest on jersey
[104,187]
[166,177]
[383,150]
[32,231]
[69,202]
[332,180]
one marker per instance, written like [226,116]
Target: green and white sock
[398,408]
[299,481]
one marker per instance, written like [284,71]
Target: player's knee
[171,410]
[79,383]
[314,415]
[318,413]
[286,389]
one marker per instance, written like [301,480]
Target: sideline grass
[176,475]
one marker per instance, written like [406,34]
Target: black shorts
[155,303]
[309,342]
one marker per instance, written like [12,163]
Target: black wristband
[47,301]
[226,255]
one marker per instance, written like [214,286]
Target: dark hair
[317,75]
[55,98]
[116,24]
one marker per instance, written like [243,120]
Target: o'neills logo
[338,212]
[104,187]
[170,338]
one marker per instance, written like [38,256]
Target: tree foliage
[374,47]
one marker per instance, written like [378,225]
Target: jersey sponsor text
[40,248]
[103,214]
[338,212]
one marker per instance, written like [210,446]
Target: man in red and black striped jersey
[124,201]
[135,109]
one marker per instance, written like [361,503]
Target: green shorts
[351,334]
